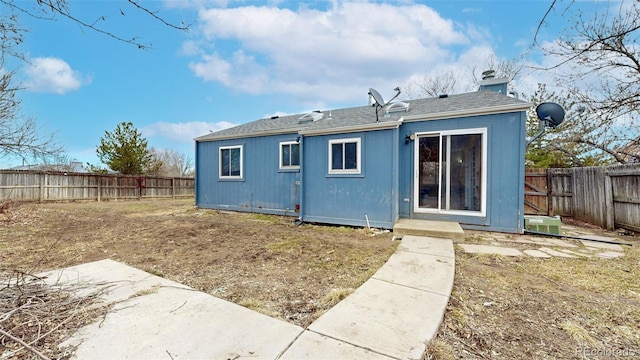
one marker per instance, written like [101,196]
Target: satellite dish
[379,100]
[550,113]
[376,96]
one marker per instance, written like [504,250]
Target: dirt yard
[267,263]
[500,308]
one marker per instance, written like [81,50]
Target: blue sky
[241,61]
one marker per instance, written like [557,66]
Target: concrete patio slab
[426,245]
[540,242]
[371,318]
[536,253]
[545,241]
[610,254]
[556,253]
[561,243]
[601,245]
[164,319]
[575,253]
[490,249]
[311,345]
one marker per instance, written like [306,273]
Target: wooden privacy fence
[535,192]
[61,186]
[607,196]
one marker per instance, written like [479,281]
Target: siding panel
[264,187]
[505,171]
[351,199]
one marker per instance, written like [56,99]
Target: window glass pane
[444,186]
[336,156]
[286,156]
[235,162]
[429,168]
[295,154]
[466,172]
[351,155]
[225,166]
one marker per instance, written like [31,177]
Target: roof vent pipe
[488,74]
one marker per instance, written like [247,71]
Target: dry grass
[577,333]
[438,350]
[336,295]
[524,307]
[257,305]
[264,262]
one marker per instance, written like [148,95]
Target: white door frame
[416,176]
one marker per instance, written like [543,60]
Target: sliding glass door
[450,172]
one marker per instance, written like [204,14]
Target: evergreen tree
[125,150]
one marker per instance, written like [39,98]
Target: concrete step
[440,229]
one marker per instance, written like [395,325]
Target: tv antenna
[379,101]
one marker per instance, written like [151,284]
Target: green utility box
[543,224]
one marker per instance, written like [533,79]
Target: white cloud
[193,4]
[328,55]
[183,132]
[190,48]
[241,73]
[50,74]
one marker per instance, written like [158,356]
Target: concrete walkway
[391,316]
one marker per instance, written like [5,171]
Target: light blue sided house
[451,158]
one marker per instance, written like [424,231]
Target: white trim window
[289,155]
[451,172]
[345,156]
[230,162]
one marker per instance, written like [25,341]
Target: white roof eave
[501,109]
[352,128]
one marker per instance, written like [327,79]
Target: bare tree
[560,147]
[174,163]
[51,9]
[432,86]
[62,162]
[20,137]
[600,53]
[449,81]
[509,69]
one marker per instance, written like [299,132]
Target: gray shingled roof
[366,115]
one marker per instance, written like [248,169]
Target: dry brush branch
[36,317]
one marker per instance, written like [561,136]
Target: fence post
[609,209]
[173,188]
[43,181]
[99,178]
[549,193]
